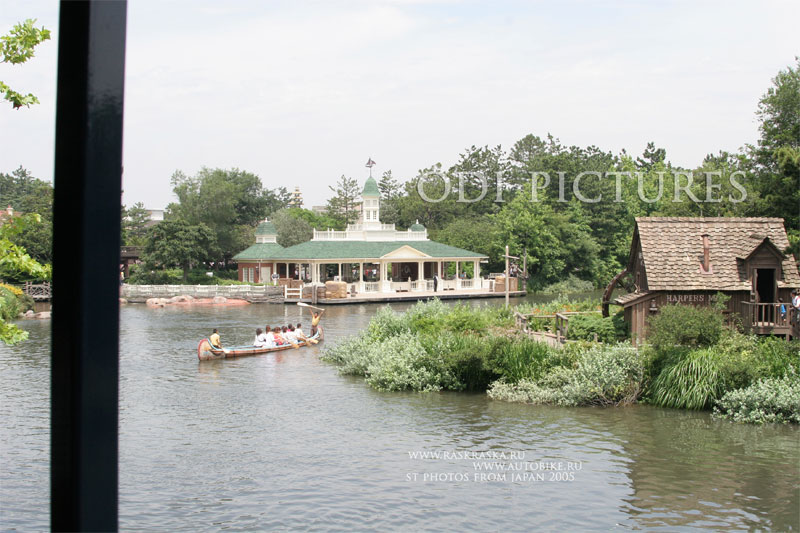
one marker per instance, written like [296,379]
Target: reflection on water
[281,441]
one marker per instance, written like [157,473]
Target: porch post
[477,281]
[421,285]
[361,276]
[386,286]
[458,276]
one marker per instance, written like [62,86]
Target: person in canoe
[289,336]
[316,316]
[298,331]
[214,339]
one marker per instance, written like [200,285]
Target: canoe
[206,352]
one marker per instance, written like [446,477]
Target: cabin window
[764,284]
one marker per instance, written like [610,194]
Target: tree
[16,265]
[18,47]
[230,202]
[134,225]
[390,192]
[178,243]
[777,176]
[292,229]
[26,194]
[343,206]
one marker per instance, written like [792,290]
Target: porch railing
[372,286]
[768,318]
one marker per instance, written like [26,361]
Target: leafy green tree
[230,202]
[558,244]
[16,265]
[390,192]
[178,243]
[134,225]
[478,234]
[18,47]
[26,194]
[775,157]
[291,229]
[344,206]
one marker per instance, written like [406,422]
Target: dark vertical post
[86,253]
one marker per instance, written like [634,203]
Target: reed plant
[693,382]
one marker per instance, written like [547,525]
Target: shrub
[693,382]
[401,363]
[522,358]
[585,327]
[351,355]
[685,325]
[774,400]
[572,284]
[603,375]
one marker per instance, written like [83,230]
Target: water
[282,442]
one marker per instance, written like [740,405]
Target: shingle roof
[259,251]
[355,250]
[371,187]
[672,250]
[627,298]
[266,228]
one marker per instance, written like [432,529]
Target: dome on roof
[371,188]
[266,228]
[417,226]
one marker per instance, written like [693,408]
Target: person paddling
[316,316]
[214,339]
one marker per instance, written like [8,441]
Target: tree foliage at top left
[18,47]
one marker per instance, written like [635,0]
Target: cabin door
[764,285]
[266,274]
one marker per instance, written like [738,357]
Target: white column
[477,282]
[458,277]
[339,266]
[386,285]
[421,276]
[361,277]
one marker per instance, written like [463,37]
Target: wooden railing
[39,291]
[760,318]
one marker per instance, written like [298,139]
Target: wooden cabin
[677,260]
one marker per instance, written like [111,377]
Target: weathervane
[370,164]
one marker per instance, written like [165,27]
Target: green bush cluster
[435,347]
[602,375]
[774,400]
[694,360]
[12,304]
[571,285]
[596,327]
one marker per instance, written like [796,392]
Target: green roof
[371,187]
[417,227]
[352,250]
[266,228]
[259,251]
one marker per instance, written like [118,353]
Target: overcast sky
[303,92]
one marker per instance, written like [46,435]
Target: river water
[283,442]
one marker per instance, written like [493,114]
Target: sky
[301,93]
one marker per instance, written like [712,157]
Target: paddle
[302,304]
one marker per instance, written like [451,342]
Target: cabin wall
[638,313]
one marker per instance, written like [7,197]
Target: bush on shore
[603,375]
[770,400]
[434,347]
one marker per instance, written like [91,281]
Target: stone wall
[251,293]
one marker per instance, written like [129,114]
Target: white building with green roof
[370,256]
